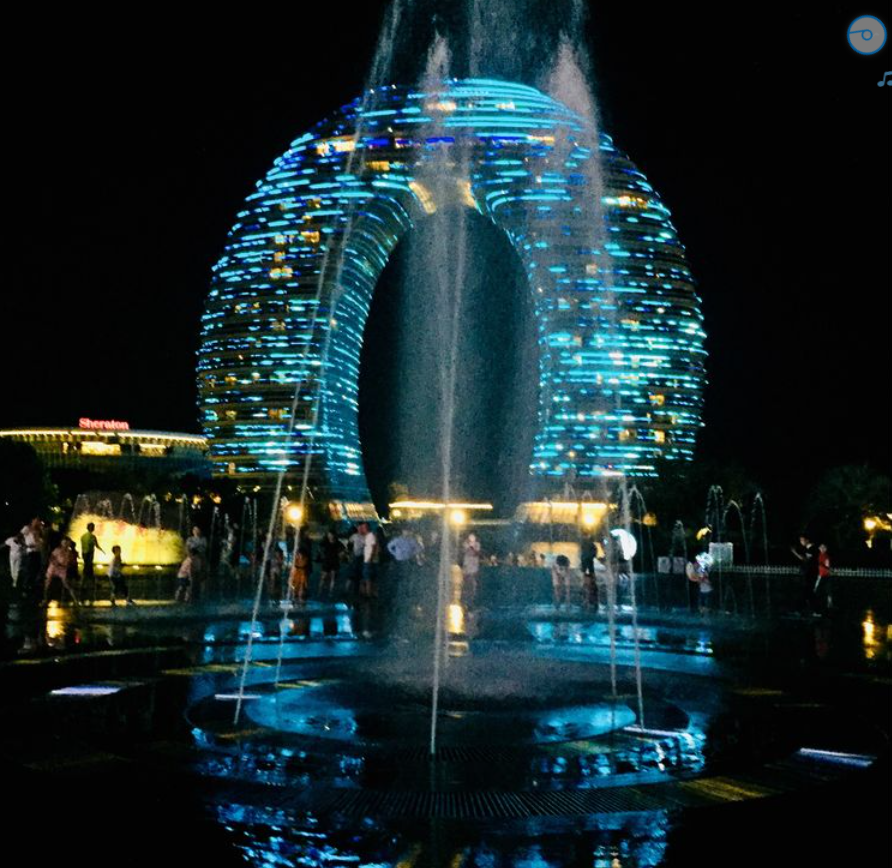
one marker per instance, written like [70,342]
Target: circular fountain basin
[498,699]
[323,712]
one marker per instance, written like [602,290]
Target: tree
[680,491]
[837,506]
[25,487]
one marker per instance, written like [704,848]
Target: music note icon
[884,82]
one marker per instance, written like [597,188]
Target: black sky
[763,131]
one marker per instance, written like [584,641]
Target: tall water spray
[445,263]
[330,271]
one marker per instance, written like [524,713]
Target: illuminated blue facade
[620,330]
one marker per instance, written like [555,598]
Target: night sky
[765,134]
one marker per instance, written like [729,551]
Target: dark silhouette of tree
[25,487]
[836,507]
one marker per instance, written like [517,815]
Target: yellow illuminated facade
[140,546]
[586,513]
[410,510]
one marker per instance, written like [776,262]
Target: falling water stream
[329,272]
[559,64]
[447,265]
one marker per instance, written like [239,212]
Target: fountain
[443,186]
[483,727]
[518,735]
[143,539]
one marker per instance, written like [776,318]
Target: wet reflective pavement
[757,738]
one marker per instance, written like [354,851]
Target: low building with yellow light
[109,448]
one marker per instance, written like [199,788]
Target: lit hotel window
[100,447]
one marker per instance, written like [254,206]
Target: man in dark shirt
[807,554]
[588,556]
[89,545]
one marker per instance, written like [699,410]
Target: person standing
[184,581]
[34,535]
[299,578]
[370,557]
[406,553]
[807,555]
[560,581]
[404,549]
[588,559]
[17,554]
[357,548]
[470,569]
[698,572]
[116,577]
[330,552]
[822,591]
[62,559]
[275,570]
[89,547]
[197,548]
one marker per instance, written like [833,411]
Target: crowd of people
[350,566]
[46,564]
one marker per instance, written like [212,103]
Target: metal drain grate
[486,805]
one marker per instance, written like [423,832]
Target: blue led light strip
[619,326]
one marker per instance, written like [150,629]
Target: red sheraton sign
[102,424]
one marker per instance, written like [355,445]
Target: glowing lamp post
[294,514]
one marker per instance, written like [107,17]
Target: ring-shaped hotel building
[621,356]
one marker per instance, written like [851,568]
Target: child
[62,561]
[116,576]
[822,593]
[300,575]
[184,581]
[560,580]
[698,572]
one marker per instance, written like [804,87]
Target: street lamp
[294,513]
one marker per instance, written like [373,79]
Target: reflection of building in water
[111,448]
[618,840]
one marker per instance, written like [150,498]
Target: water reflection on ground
[328,766]
[273,837]
[67,629]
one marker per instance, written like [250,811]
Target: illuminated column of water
[379,71]
[611,602]
[289,599]
[627,523]
[448,267]
[758,502]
